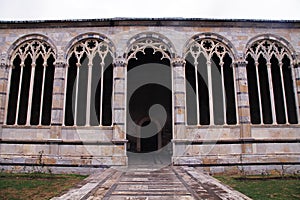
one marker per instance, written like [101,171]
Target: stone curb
[92,182]
[222,191]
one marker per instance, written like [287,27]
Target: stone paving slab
[172,182]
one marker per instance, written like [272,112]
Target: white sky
[95,9]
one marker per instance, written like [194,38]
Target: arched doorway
[149,105]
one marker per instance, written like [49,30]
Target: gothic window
[31,84]
[210,84]
[271,83]
[89,84]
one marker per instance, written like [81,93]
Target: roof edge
[119,21]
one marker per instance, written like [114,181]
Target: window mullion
[273,110]
[197,91]
[223,93]
[283,94]
[42,93]
[259,94]
[210,93]
[19,94]
[33,65]
[76,94]
[88,96]
[101,93]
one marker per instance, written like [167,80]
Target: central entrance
[149,104]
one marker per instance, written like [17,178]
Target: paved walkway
[144,184]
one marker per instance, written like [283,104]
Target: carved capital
[240,62]
[60,61]
[296,61]
[178,61]
[3,60]
[120,62]
[60,64]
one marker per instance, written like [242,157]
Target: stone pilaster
[178,69]
[119,100]
[4,73]
[297,83]
[243,103]
[58,93]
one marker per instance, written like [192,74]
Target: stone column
[58,93]
[119,110]
[243,103]
[4,72]
[178,74]
[119,100]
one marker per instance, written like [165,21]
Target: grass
[35,185]
[261,187]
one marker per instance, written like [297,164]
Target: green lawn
[35,185]
[265,188]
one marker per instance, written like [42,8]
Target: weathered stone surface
[166,183]
[106,145]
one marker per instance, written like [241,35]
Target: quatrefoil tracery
[208,47]
[34,49]
[90,48]
[267,49]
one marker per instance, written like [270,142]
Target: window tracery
[140,46]
[271,83]
[33,49]
[89,84]
[31,84]
[209,78]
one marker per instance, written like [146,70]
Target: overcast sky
[95,9]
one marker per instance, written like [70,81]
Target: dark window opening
[37,91]
[97,78]
[277,90]
[203,91]
[13,92]
[82,92]
[29,102]
[191,104]
[217,90]
[107,92]
[229,90]
[253,91]
[48,91]
[70,95]
[96,91]
[289,91]
[23,105]
[265,91]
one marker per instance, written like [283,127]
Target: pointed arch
[155,41]
[31,77]
[89,82]
[271,80]
[272,37]
[90,35]
[29,37]
[213,36]
[210,77]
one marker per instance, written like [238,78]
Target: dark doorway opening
[149,144]
[149,103]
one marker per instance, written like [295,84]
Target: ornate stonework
[234,98]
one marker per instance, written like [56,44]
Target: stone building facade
[231,95]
